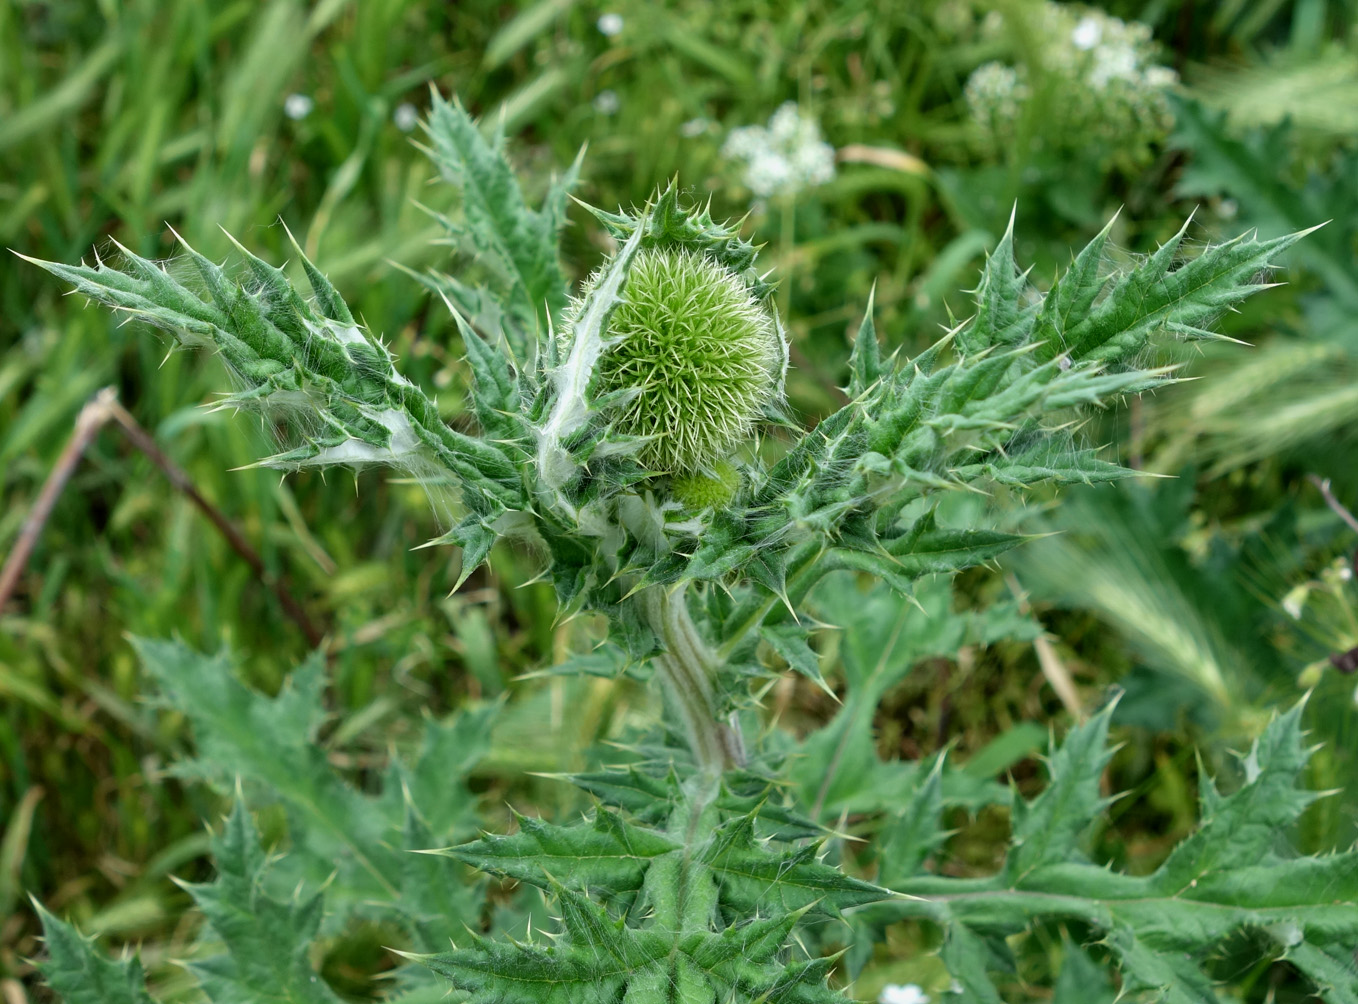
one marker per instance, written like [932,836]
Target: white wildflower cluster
[1106,94]
[785,156]
[904,993]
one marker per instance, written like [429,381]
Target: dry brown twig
[1058,676]
[99,411]
[1324,485]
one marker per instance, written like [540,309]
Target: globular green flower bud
[702,357]
[707,491]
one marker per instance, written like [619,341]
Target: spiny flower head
[692,355]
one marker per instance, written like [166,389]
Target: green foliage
[1302,379]
[355,843]
[516,245]
[1234,874]
[698,874]
[267,940]
[702,905]
[77,971]
[836,767]
[351,854]
[117,119]
[968,411]
[669,885]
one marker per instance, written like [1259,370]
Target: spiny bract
[694,355]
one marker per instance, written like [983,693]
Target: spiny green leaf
[1232,875]
[601,959]
[476,540]
[1046,830]
[1168,975]
[926,548]
[1082,980]
[497,973]
[516,243]
[968,960]
[630,789]
[439,903]
[1154,296]
[307,364]
[268,942]
[1000,312]
[79,972]
[753,878]
[791,642]
[865,362]
[1329,968]
[241,733]
[1075,292]
[1245,826]
[914,832]
[609,856]
[495,390]
[341,837]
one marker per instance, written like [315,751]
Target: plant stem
[786,248]
[92,418]
[1332,501]
[688,669]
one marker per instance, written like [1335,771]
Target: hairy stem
[688,669]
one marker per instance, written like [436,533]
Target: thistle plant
[622,439]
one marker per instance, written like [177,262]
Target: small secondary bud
[707,491]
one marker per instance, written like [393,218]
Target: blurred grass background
[121,120]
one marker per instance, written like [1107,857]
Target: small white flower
[1295,600]
[814,162]
[1160,77]
[785,124]
[1116,61]
[406,116]
[907,993]
[607,102]
[743,143]
[610,24]
[1087,34]
[768,173]
[298,106]
[1228,208]
[693,127]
